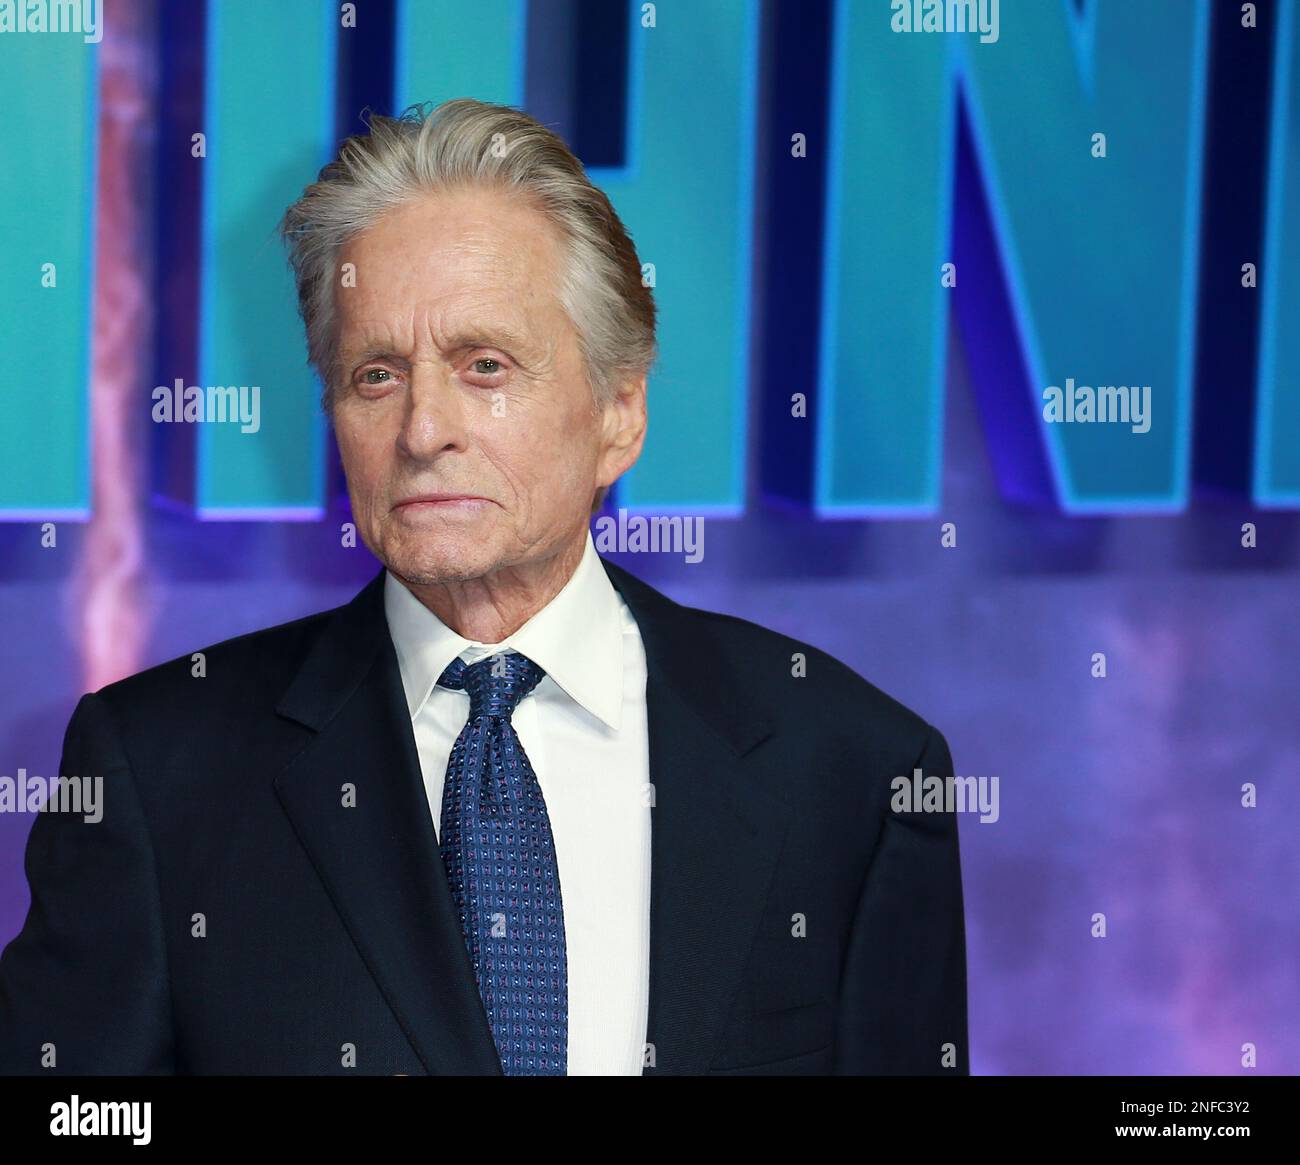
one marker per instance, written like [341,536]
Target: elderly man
[509,811]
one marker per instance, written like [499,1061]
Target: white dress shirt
[585,732]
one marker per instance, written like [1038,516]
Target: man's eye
[488,360]
[376,375]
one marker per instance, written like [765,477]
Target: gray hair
[466,143]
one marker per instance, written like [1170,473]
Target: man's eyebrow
[376,352]
[488,335]
[473,336]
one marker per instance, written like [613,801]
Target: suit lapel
[715,834]
[379,860]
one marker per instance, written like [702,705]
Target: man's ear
[624,424]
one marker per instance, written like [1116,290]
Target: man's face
[464,420]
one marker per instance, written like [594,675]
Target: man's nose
[435,414]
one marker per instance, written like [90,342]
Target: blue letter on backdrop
[1100,253]
[269,122]
[47,197]
[1277,429]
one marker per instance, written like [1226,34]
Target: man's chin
[434,547]
[446,562]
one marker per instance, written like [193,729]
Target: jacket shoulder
[249,669]
[805,685]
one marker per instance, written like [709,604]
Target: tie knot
[495,684]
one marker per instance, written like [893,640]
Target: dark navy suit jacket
[228,915]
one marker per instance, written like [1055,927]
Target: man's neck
[488,609]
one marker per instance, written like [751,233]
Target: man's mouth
[416,503]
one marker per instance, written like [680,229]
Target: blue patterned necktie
[497,847]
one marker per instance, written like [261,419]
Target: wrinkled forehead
[476,238]
[452,272]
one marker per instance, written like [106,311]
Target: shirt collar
[577,639]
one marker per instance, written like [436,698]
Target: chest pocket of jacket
[785,1007]
[783,974]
